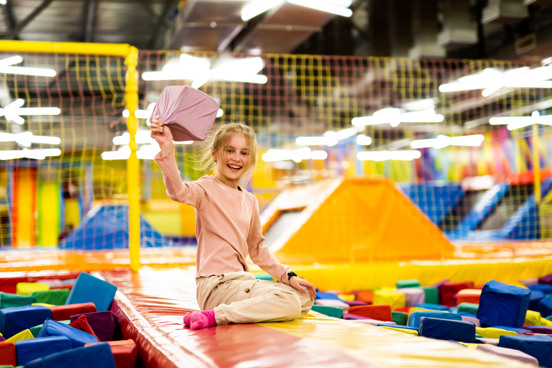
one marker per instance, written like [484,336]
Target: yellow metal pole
[536,164]
[133,167]
[66,48]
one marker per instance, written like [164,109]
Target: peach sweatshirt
[228,226]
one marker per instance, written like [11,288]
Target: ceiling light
[517,122]
[443,141]
[363,140]
[404,155]
[394,116]
[12,111]
[7,68]
[37,154]
[319,155]
[256,7]
[325,6]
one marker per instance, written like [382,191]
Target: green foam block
[468,307]
[8,300]
[407,284]
[328,310]
[54,297]
[431,294]
[400,318]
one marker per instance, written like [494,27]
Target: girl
[228,228]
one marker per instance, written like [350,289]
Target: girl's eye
[245,153]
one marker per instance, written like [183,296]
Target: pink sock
[187,318]
[203,319]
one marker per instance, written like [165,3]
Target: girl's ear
[213,154]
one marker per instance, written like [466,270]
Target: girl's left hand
[300,284]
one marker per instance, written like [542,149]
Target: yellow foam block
[389,296]
[404,330]
[532,318]
[44,305]
[416,309]
[27,288]
[545,322]
[23,335]
[347,297]
[492,332]
[470,345]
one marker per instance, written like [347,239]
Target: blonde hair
[216,141]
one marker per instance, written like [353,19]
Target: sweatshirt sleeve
[190,193]
[259,253]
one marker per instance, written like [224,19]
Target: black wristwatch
[291,274]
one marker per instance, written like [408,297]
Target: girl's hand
[299,284]
[159,132]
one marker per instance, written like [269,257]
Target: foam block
[7,353]
[431,294]
[64,312]
[328,311]
[16,319]
[403,329]
[105,324]
[326,295]
[414,318]
[407,284]
[473,320]
[82,324]
[447,329]
[390,297]
[54,328]
[448,291]
[8,300]
[470,308]
[537,346]
[27,288]
[380,312]
[545,306]
[412,296]
[503,304]
[400,318]
[125,353]
[534,299]
[492,332]
[92,289]
[54,297]
[355,303]
[332,303]
[546,279]
[431,306]
[35,330]
[20,336]
[545,288]
[540,329]
[532,318]
[365,296]
[31,349]
[508,353]
[93,356]
[468,296]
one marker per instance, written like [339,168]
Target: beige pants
[237,297]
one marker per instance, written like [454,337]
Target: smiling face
[233,160]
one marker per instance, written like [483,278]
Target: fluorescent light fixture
[363,140]
[37,154]
[220,113]
[199,70]
[404,155]
[325,6]
[442,141]
[256,7]
[12,111]
[27,138]
[492,80]
[296,155]
[517,122]
[142,137]
[7,68]
[416,105]
[122,153]
[394,116]
[319,155]
[141,113]
[311,141]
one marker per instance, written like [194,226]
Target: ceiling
[375,28]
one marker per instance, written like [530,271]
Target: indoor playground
[414,190]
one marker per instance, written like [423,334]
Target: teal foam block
[328,310]
[31,349]
[93,356]
[16,319]
[8,300]
[92,289]
[77,337]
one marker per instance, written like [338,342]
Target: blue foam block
[93,356]
[503,304]
[534,299]
[91,289]
[447,329]
[31,349]
[17,319]
[397,326]
[414,318]
[77,337]
[323,295]
[431,306]
[545,306]
[538,346]
[545,288]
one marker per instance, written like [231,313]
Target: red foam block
[64,312]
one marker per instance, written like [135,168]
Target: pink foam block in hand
[188,112]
